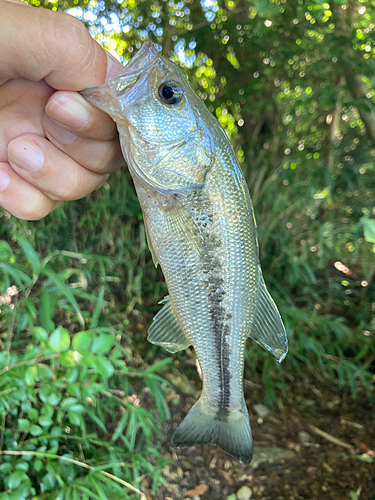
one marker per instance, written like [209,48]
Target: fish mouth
[144,58]
[129,84]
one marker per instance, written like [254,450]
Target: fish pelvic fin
[268,329]
[165,330]
[230,432]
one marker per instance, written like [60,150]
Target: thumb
[36,44]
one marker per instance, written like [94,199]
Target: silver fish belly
[201,230]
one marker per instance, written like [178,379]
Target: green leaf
[104,366]
[82,341]
[40,334]
[66,291]
[3,360]
[97,420]
[74,390]
[120,426]
[47,309]
[69,358]
[38,465]
[59,340]
[22,466]
[87,358]
[49,395]
[72,375]
[19,277]
[365,458]
[98,308]
[77,408]
[15,479]
[36,430]
[102,343]
[158,366]
[48,481]
[30,253]
[68,402]
[23,424]
[5,467]
[32,413]
[30,375]
[6,254]
[45,372]
[47,411]
[75,418]
[263,7]
[368,229]
[45,421]
[89,492]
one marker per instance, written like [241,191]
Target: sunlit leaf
[59,340]
[6,253]
[82,341]
[16,478]
[368,229]
[102,343]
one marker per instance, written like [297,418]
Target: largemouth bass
[201,229]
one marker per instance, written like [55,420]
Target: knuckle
[69,193]
[67,27]
[111,159]
[72,188]
[65,22]
[37,210]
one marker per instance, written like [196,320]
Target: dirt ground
[317,444]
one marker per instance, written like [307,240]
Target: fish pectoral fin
[151,248]
[165,330]
[268,329]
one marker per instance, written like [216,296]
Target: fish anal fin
[268,329]
[165,330]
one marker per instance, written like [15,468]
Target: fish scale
[201,229]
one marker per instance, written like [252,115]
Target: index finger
[36,44]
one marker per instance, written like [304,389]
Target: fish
[201,230]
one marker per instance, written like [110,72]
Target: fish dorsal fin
[268,329]
[165,330]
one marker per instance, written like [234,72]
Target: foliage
[75,409]
[293,85]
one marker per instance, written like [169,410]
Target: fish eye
[170,93]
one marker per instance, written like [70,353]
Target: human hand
[54,145]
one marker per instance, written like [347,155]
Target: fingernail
[4,180]
[113,66]
[68,110]
[61,135]
[25,153]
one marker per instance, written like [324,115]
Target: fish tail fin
[230,432]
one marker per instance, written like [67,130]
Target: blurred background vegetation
[293,85]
